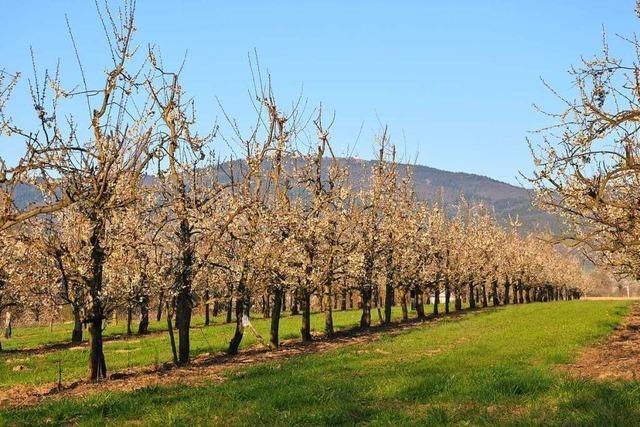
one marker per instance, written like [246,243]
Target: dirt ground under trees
[616,358]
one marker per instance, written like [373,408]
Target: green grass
[492,367]
[30,337]
[136,351]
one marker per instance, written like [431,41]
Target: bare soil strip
[618,358]
[203,369]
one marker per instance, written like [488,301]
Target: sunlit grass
[153,349]
[487,368]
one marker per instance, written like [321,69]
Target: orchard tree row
[137,211]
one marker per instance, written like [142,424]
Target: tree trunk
[172,339]
[242,310]
[447,295]
[520,294]
[458,299]
[294,303]
[527,295]
[403,305]
[378,302]
[8,321]
[305,302]
[184,306]
[183,324]
[207,320]
[216,308]
[229,310]
[388,289]
[365,295]
[160,304]
[472,298]
[97,364]
[275,316]
[129,319]
[343,301]
[419,303]
[436,299]
[143,326]
[505,299]
[494,293]
[485,302]
[328,311]
[76,335]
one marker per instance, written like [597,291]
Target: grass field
[135,351]
[492,367]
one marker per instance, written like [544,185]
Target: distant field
[492,367]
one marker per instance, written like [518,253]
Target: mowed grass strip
[136,351]
[492,367]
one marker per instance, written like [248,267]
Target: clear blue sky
[455,81]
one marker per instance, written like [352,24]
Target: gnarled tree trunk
[275,316]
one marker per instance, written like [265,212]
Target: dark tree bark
[485,302]
[143,326]
[520,292]
[388,289]
[183,324]
[266,305]
[160,304]
[229,310]
[472,298]
[305,302]
[366,291]
[419,302]
[294,303]
[216,308]
[447,295]
[275,316]
[494,293]
[76,334]
[97,364]
[507,287]
[129,319]
[403,305]
[365,295]
[207,320]
[436,299]
[184,304]
[242,310]
[458,299]
[328,311]
[172,339]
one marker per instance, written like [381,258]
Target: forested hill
[430,184]
[508,201]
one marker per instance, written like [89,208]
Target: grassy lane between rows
[491,367]
[153,349]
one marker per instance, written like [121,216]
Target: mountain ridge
[508,201]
